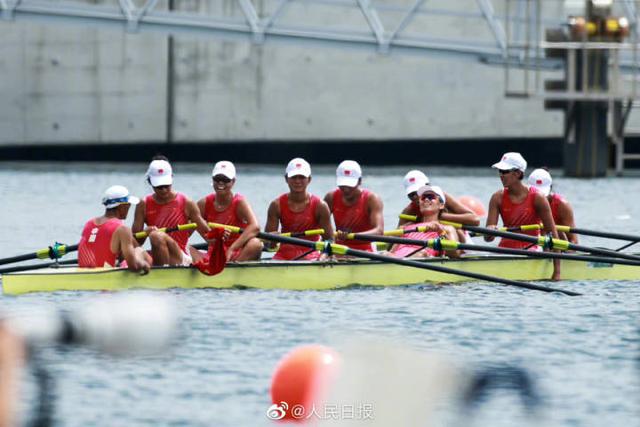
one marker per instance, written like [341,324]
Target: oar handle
[234,229]
[408,217]
[179,227]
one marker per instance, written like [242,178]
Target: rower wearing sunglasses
[518,204]
[453,211]
[432,201]
[166,207]
[223,206]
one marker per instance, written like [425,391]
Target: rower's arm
[451,234]
[565,214]
[252,227]
[12,355]
[138,221]
[201,206]
[136,257]
[273,220]
[376,218]
[193,214]
[328,199]
[323,216]
[543,209]
[457,212]
[492,216]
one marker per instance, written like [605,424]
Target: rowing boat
[303,275]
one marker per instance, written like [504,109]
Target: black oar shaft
[595,233]
[499,250]
[50,252]
[531,239]
[422,265]
[36,266]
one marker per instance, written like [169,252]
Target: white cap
[541,179]
[160,173]
[348,173]
[225,168]
[117,195]
[298,166]
[511,161]
[413,180]
[433,189]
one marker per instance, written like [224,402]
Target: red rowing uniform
[403,250]
[352,219]
[556,201]
[169,215]
[227,216]
[519,214]
[294,222]
[94,249]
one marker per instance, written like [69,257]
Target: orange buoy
[474,204]
[300,381]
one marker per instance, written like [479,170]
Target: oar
[179,227]
[55,251]
[333,248]
[444,244]
[576,230]
[543,241]
[234,229]
[36,266]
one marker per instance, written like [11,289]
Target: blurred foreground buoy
[300,381]
[474,204]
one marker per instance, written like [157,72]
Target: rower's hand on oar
[488,238]
[150,229]
[435,226]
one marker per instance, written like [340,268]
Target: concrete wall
[66,84]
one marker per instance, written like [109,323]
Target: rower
[561,210]
[167,208]
[224,207]
[355,209]
[518,204]
[106,239]
[298,211]
[432,202]
[454,210]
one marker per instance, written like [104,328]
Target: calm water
[582,351]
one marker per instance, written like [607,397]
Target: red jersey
[556,201]
[228,216]
[352,219]
[94,249]
[296,222]
[519,214]
[402,250]
[169,215]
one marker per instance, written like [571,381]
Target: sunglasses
[506,171]
[223,179]
[162,187]
[429,196]
[412,195]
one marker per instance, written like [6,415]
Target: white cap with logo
[298,166]
[118,195]
[541,179]
[511,161]
[433,189]
[348,173]
[413,180]
[160,173]
[225,168]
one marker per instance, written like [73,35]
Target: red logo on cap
[298,165]
[504,157]
[160,170]
[347,172]
[539,181]
[412,179]
[223,166]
